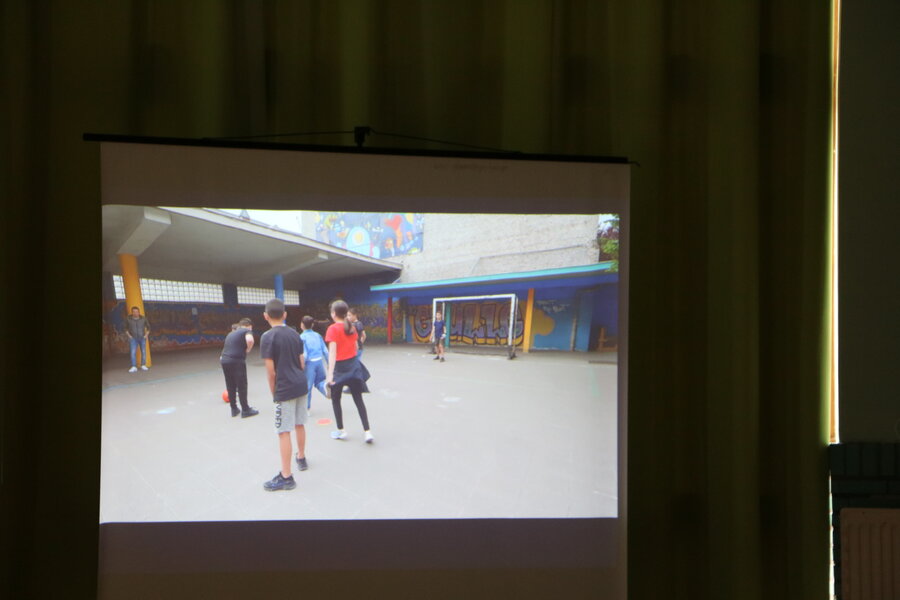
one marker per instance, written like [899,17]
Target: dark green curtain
[725,105]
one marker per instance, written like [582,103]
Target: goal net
[485,333]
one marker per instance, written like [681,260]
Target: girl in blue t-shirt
[316,355]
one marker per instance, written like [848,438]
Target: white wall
[466,245]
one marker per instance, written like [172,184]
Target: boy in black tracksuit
[238,344]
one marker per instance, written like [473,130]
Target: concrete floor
[478,436]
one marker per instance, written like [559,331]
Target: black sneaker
[279,482]
[249,413]
[235,411]
[301,464]
[442,359]
[437,358]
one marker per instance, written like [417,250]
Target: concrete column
[390,320]
[529,314]
[229,294]
[131,280]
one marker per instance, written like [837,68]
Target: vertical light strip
[833,333]
[835,375]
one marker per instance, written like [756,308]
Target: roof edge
[598,268]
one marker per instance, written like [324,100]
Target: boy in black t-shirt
[282,350]
[238,344]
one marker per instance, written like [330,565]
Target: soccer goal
[513,306]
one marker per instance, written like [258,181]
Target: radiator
[870,554]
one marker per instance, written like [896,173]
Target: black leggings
[355,391]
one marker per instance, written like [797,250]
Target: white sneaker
[144,368]
[369,437]
[132,370]
[309,413]
[339,434]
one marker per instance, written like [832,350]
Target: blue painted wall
[606,314]
[371,307]
[594,299]
[585,316]
[551,324]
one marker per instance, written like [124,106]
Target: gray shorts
[289,414]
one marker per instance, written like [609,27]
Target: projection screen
[482,461]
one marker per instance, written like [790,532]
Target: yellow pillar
[529,313]
[131,280]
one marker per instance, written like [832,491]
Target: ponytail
[339,309]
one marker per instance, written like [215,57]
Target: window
[251,295]
[162,290]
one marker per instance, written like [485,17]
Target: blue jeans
[315,378]
[134,346]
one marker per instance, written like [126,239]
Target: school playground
[478,436]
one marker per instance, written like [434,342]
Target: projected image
[291,365]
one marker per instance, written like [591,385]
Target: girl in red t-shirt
[345,369]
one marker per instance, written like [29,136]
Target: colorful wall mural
[479,323]
[559,313]
[175,325]
[373,316]
[551,325]
[371,307]
[379,235]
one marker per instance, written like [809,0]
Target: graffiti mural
[174,325]
[379,235]
[397,325]
[217,322]
[420,323]
[374,319]
[174,320]
[115,341]
[484,323]
[372,314]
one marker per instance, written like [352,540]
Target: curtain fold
[724,104]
